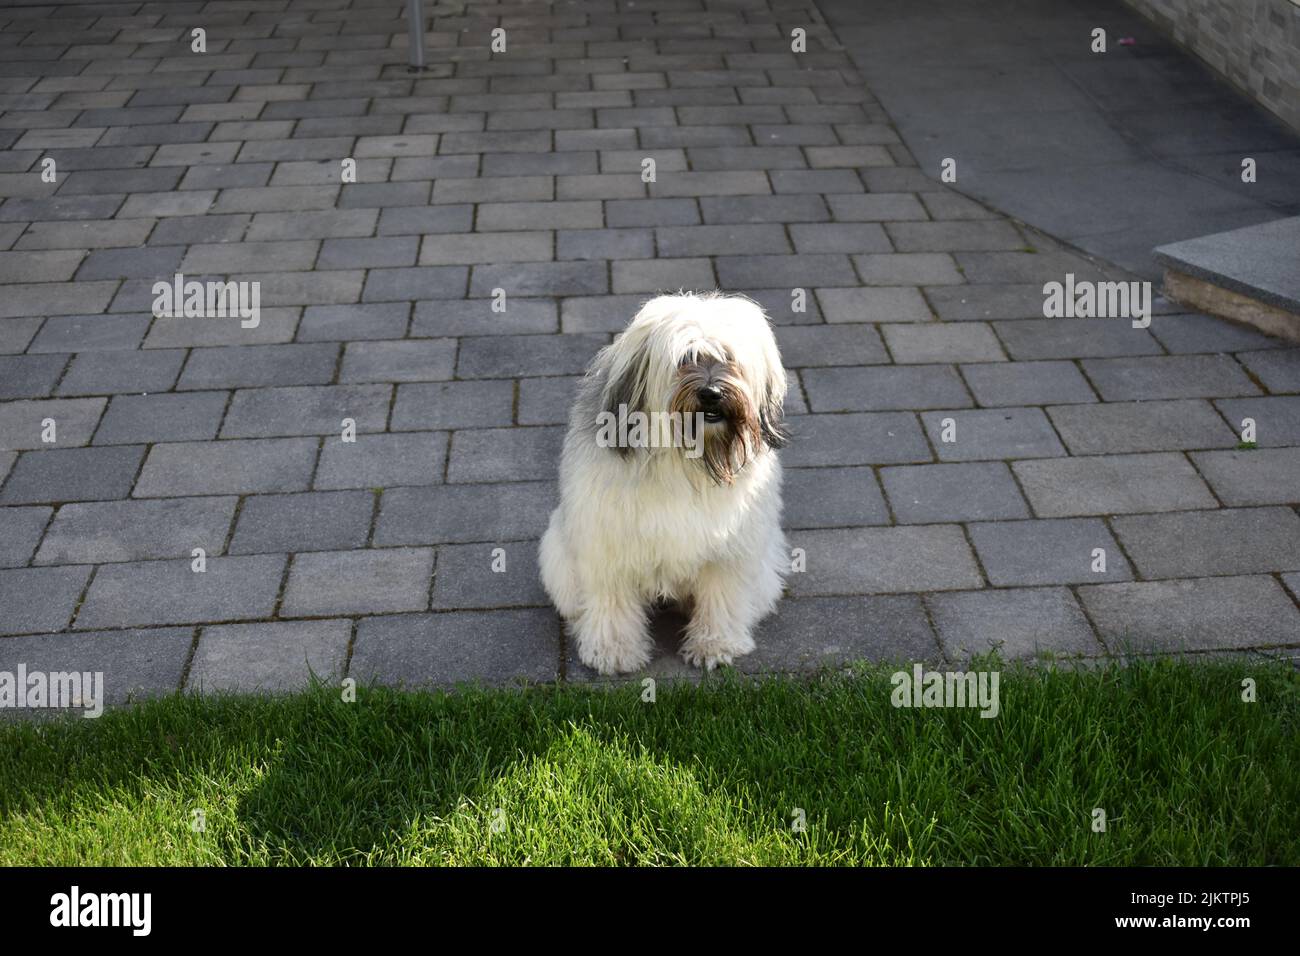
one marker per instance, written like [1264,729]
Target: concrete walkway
[520,171]
[1115,152]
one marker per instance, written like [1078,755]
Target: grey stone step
[1251,275]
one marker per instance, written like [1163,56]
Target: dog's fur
[640,525]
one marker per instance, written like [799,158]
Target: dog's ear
[771,419]
[623,367]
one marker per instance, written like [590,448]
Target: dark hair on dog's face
[712,391]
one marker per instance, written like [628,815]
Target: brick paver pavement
[776,175]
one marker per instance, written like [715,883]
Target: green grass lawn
[1186,772]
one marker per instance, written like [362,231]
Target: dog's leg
[611,632]
[558,574]
[729,601]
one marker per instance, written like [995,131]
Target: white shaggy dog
[686,509]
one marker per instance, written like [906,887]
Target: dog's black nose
[710,395]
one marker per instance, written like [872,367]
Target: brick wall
[1255,44]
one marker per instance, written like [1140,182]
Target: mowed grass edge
[1186,772]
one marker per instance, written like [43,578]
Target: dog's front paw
[611,647]
[708,649]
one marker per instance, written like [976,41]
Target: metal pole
[415,22]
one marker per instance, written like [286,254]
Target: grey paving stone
[269,657]
[1195,614]
[1055,551]
[720,183]
[821,181]
[511,216]
[90,333]
[468,577]
[331,323]
[476,317]
[22,423]
[418,220]
[85,233]
[839,237]
[883,560]
[625,213]
[1017,623]
[374,195]
[786,208]
[251,365]
[225,258]
[1112,484]
[1027,383]
[1204,543]
[1265,476]
[876,207]
[107,531]
[319,521]
[310,410]
[788,306]
[39,600]
[1119,427]
[29,376]
[181,230]
[817,632]
[17,333]
[382,461]
[907,268]
[20,531]
[277,325]
[1278,370]
[662,275]
[72,474]
[1074,338]
[813,345]
[974,236]
[472,404]
[1168,376]
[55,265]
[169,592]
[884,388]
[855,439]
[505,454]
[135,664]
[514,356]
[23,300]
[227,467]
[770,272]
[605,244]
[321,224]
[540,279]
[464,513]
[542,401]
[481,248]
[1205,333]
[358,582]
[942,342]
[926,494]
[832,498]
[878,304]
[601,313]
[1277,418]
[101,373]
[732,239]
[462,646]
[145,262]
[409,361]
[993,433]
